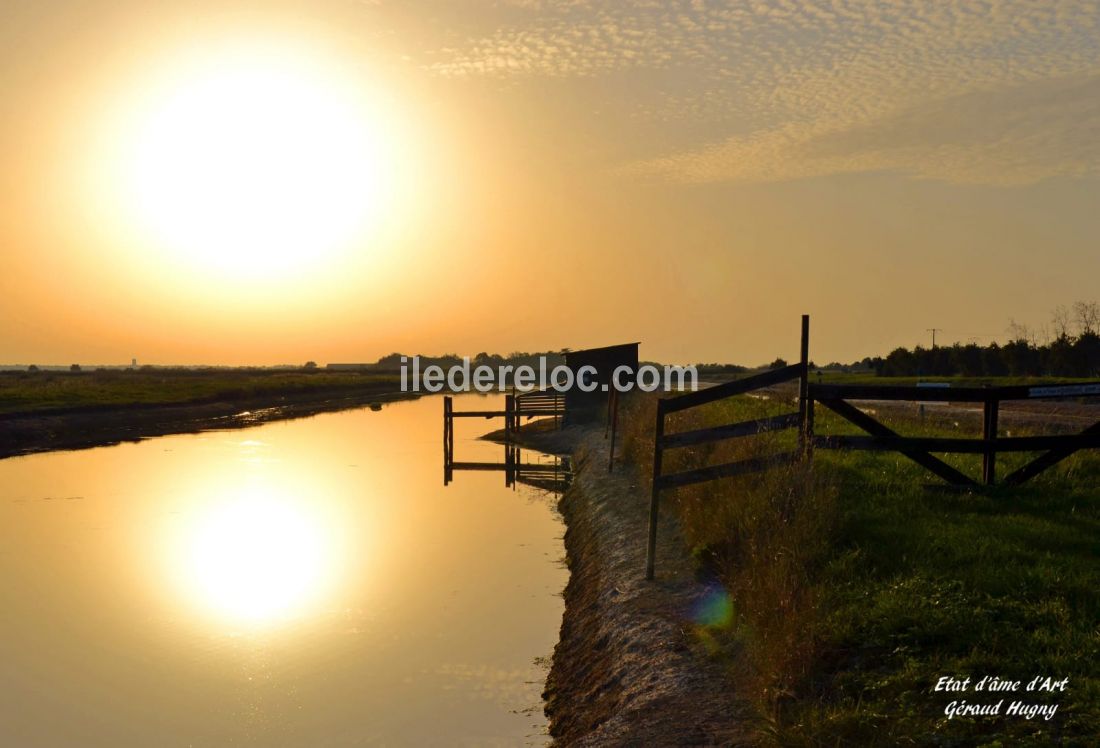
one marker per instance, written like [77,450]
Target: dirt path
[626,670]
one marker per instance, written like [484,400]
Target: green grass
[45,391]
[854,587]
[922,584]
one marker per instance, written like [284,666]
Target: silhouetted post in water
[511,422]
[448,440]
[805,405]
[658,435]
[989,431]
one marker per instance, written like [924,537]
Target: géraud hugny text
[1015,708]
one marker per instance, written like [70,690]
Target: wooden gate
[879,437]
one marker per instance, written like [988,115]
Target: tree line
[1069,347]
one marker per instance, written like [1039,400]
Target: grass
[850,588]
[44,391]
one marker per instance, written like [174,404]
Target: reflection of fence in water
[549,473]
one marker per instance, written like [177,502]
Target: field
[843,591]
[52,391]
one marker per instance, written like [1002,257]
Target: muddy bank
[22,434]
[626,669]
[543,435]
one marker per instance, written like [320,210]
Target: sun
[255,160]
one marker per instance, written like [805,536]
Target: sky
[269,183]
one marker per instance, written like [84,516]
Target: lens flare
[714,609]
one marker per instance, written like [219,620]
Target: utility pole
[934,330]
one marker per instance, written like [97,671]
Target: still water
[306,582]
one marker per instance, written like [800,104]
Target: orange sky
[692,175]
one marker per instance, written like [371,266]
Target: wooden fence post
[658,436]
[989,431]
[809,421]
[607,425]
[804,417]
[614,426]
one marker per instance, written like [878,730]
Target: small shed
[588,406]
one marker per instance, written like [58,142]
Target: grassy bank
[45,391]
[843,592]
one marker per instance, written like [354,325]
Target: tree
[1018,332]
[779,363]
[1086,355]
[993,363]
[1060,321]
[969,360]
[74,367]
[1020,358]
[1087,316]
[392,361]
[900,363]
[310,365]
[32,368]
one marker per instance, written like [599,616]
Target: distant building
[347,367]
[588,406]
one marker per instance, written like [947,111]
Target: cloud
[1015,135]
[991,91]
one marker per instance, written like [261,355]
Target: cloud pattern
[973,91]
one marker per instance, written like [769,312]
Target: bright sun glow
[257,558]
[258,161]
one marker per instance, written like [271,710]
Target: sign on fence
[1065,390]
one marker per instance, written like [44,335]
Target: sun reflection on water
[258,556]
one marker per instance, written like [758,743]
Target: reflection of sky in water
[301,580]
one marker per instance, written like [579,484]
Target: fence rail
[951,394]
[958,445]
[539,403]
[729,431]
[552,476]
[878,436]
[662,441]
[920,449]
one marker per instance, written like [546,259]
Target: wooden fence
[879,437]
[535,404]
[920,449]
[539,403]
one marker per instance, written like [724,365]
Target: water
[306,582]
